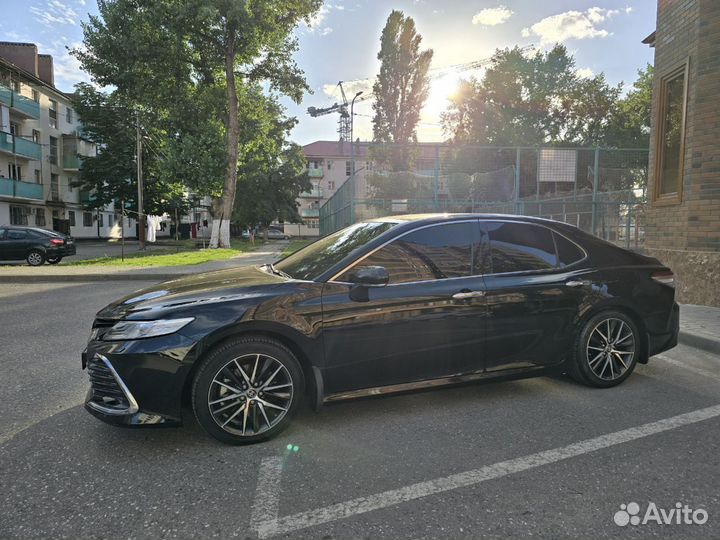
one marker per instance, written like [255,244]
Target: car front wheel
[606,351]
[35,258]
[247,390]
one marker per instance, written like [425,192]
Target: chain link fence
[599,190]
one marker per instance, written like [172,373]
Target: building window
[18,215]
[348,168]
[38,176]
[69,115]
[111,220]
[36,96]
[53,150]
[16,86]
[87,219]
[36,136]
[71,217]
[671,134]
[40,217]
[329,164]
[100,219]
[53,113]
[14,129]
[331,184]
[54,187]
[14,171]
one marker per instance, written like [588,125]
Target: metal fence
[600,190]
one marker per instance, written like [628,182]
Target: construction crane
[345,122]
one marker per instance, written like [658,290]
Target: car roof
[33,229]
[433,218]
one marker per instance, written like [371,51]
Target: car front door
[428,322]
[532,296]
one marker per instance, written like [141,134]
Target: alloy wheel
[250,394]
[611,349]
[35,259]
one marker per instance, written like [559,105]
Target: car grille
[108,392]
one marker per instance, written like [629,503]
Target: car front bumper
[138,383]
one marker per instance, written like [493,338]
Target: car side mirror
[365,277]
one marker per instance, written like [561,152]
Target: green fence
[600,190]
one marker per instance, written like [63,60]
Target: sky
[342,43]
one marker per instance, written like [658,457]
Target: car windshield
[311,261]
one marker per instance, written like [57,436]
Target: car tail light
[57,242]
[665,277]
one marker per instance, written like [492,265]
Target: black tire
[222,360]
[54,260]
[594,363]
[35,257]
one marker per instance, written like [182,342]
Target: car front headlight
[145,329]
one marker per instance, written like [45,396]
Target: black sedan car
[386,305]
[34,245]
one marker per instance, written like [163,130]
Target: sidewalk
[47,273]
[700,327]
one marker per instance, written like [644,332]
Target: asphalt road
[542,457]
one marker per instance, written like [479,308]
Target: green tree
[531,100]
[159,51]
[401,88]
[630,123]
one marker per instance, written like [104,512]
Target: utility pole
[138,160]
[352,140]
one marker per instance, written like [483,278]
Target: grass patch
[171,256]
[295,245]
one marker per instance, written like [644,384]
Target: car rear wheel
[35,258]
[606,351]
[247,390]
[54,260]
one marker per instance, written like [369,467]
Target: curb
[699,342]
[62,278]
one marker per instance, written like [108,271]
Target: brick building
[683,215]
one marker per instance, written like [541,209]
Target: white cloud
[584,73]
[317,24]
[571,25]
[492,16]
[351,88]
[54,12]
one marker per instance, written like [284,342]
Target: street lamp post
[352,137]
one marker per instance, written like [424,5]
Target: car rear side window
[438,252]
[568,252]
[16,235]
[519,247]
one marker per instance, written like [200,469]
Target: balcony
[71,162]
[315,173]
[20,104]
[309,212]
[315,193]
[19,146]
[25,190]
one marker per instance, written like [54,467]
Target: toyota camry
[387,305]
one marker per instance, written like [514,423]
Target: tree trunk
[220,235]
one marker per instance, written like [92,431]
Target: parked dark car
[387,305]
[34,245]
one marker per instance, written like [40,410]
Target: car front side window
[436,252]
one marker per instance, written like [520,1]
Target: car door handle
[468,294]
[576,283]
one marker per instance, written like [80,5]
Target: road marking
[677,363]
[270,525]
[267,492]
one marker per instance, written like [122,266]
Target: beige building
[41,148]
[329,166]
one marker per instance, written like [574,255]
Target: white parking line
[698,371]
[266,523]
[267,492]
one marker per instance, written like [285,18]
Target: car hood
[203,288]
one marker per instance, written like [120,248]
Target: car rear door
[16,243]
[428,322]
[533,297]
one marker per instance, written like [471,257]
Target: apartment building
[41,148]
[329,166]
